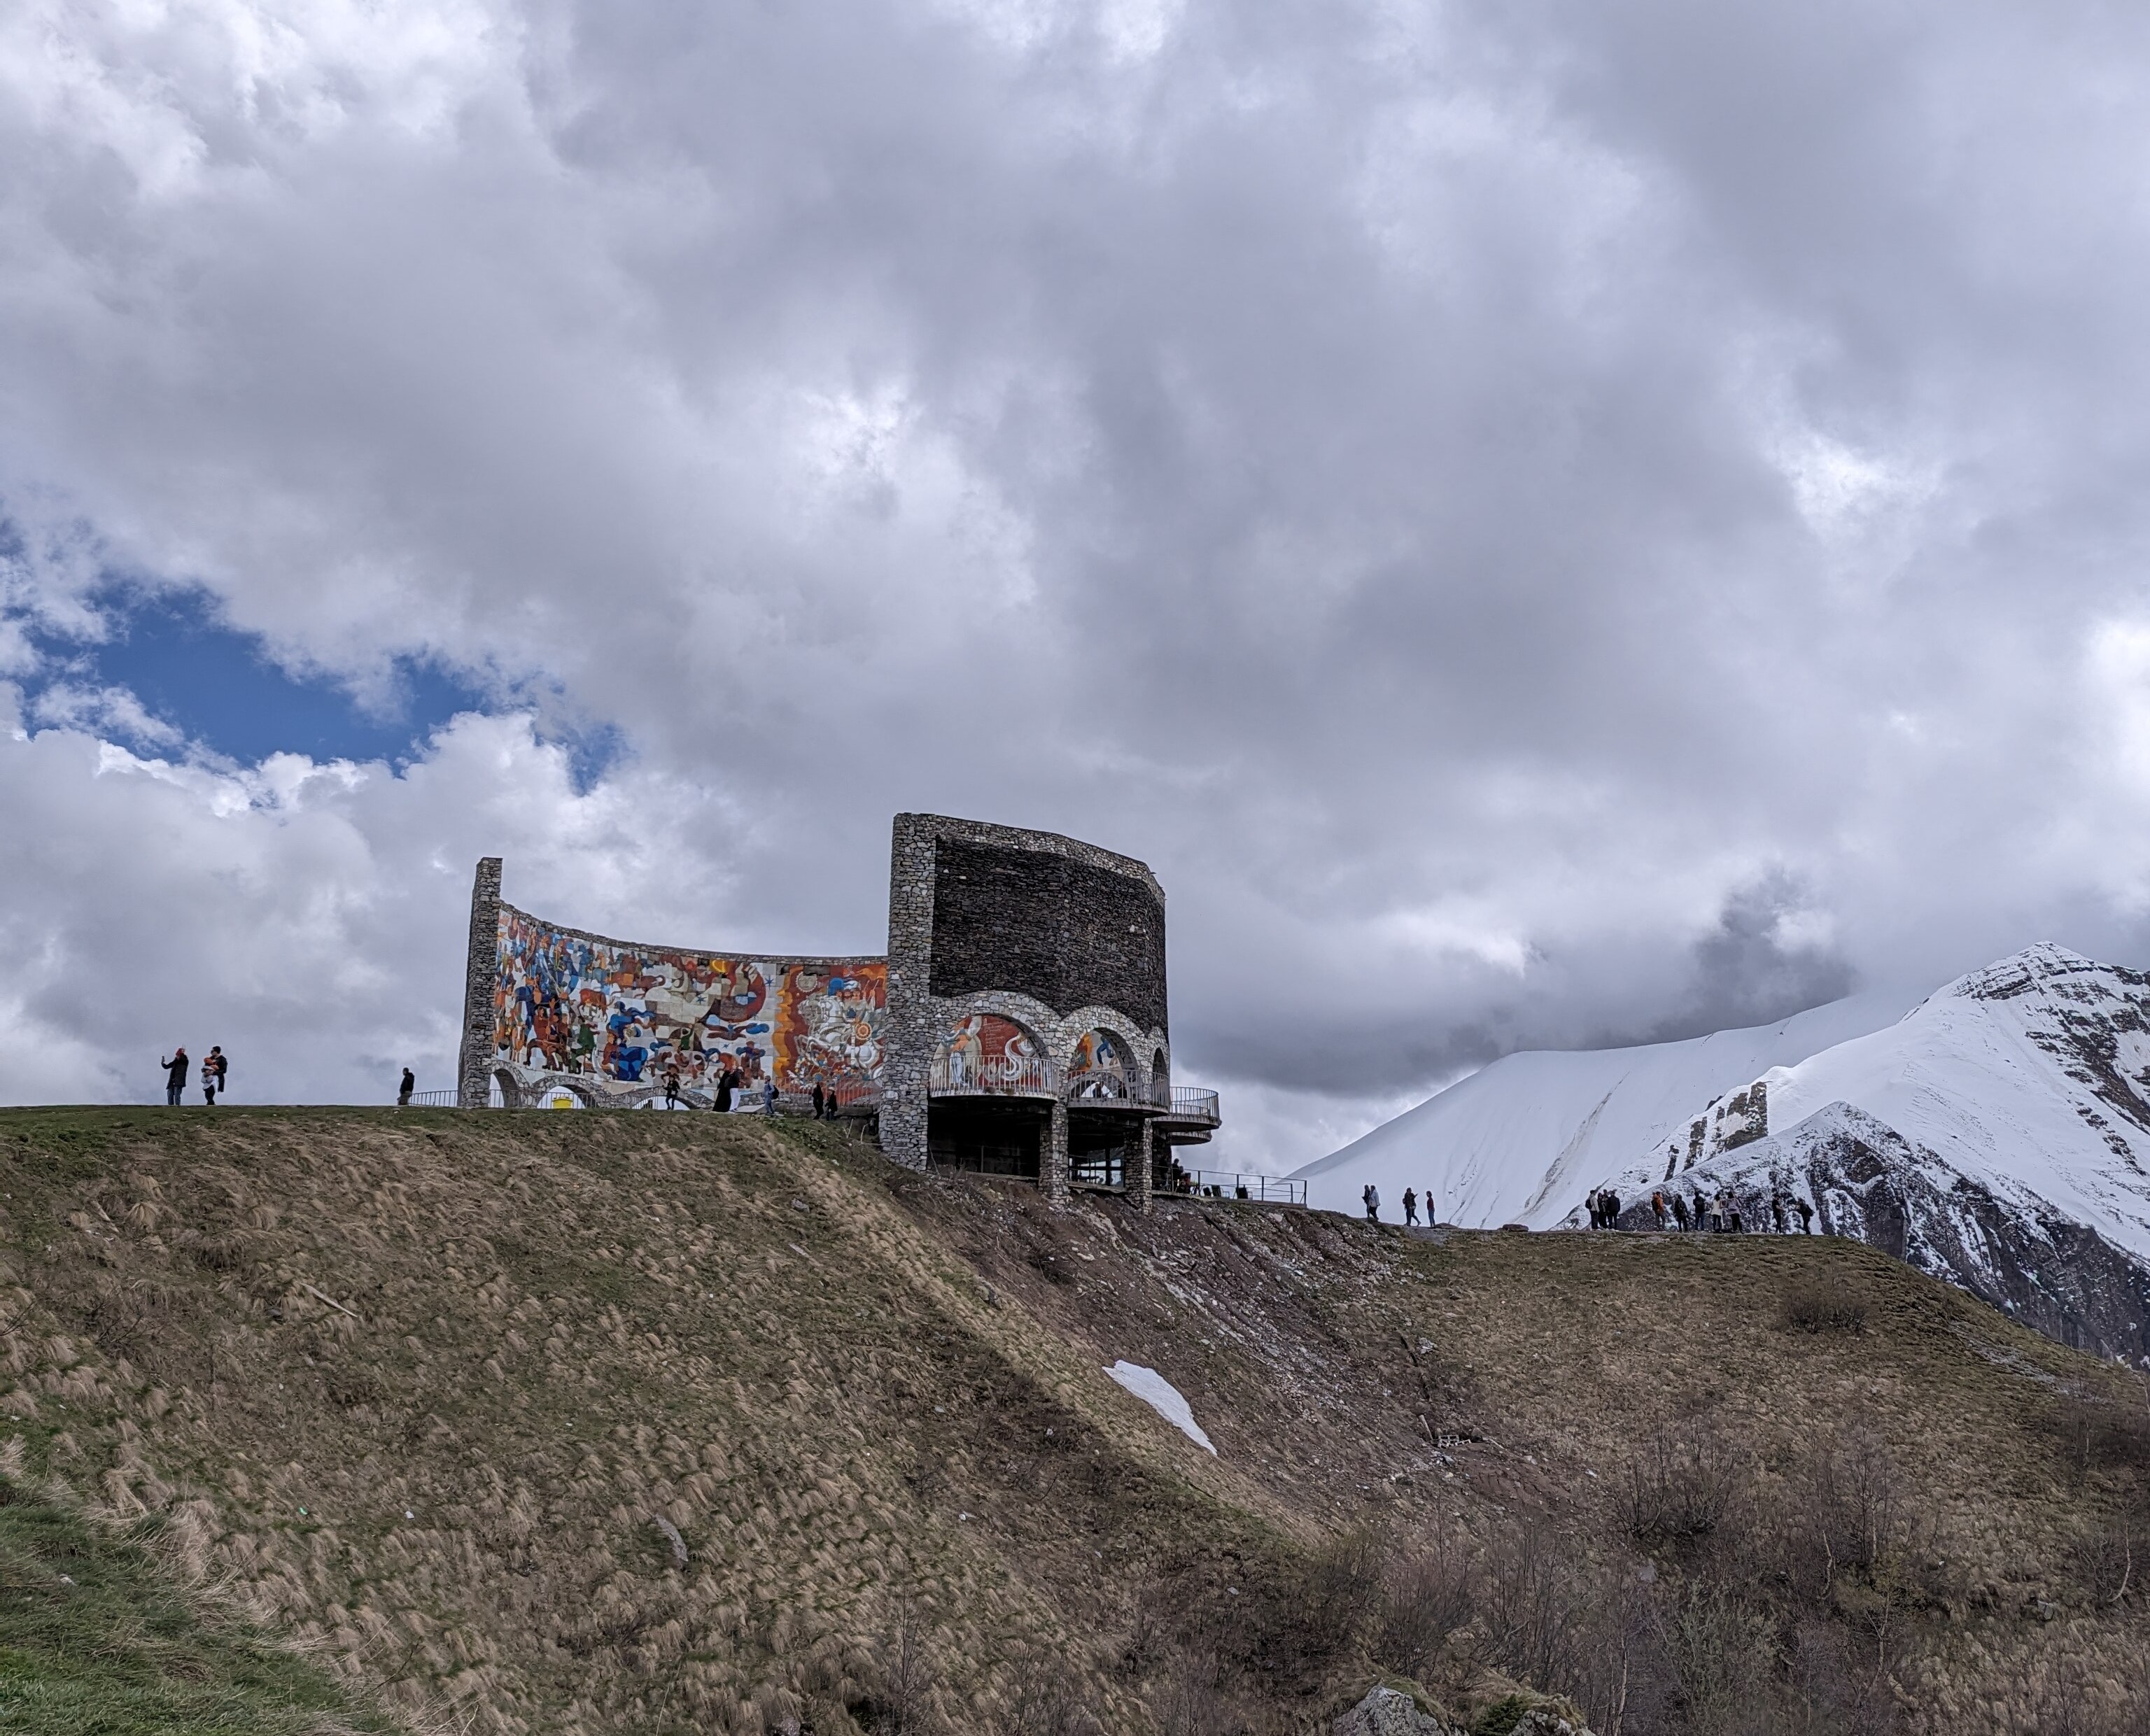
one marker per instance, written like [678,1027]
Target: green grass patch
[95,1640]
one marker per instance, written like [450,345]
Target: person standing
[213,1067]
[403,1090]
[1410,1207]
[1777,1209]
[1806,1217]
[1610,1201]
[727,1082]
[1679,1208]
[176,1078]
[818,1100]
[671,1088]
[1701,1208]
[769,1095]
[1657,1206]
[1373,1198]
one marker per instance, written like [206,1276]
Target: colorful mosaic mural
[615,1018]
[985,1042]
[1102,1066]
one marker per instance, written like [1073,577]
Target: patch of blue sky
[223,692]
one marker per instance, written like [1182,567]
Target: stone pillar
[912,1033]
[481,982]
[1138,1183]
[1053,1168]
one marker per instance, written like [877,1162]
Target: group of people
[1371,1196]
[733,1093]
[1719,1212]
[215,1067]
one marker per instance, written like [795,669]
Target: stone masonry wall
[481,969]
[1050,909]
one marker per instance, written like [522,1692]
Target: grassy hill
[642,1423]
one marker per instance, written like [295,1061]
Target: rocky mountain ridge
[1997,1135]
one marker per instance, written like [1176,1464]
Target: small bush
[1823,1305]
[1681,1487]
[1428,1590]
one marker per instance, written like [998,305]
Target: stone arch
[987,1049]
[1160,1076]
[1102,1064]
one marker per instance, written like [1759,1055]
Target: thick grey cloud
[1545,523]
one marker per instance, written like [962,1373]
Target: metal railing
[1190,1102]
[1221,1184]
[993,1076]
[429,1100]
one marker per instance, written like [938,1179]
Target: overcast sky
[1547,524]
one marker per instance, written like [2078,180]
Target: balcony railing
[993,1076]
[1220,1184]
[1190,1102]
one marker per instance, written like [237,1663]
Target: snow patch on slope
[1162,1396]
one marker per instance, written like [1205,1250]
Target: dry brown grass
[872,1406]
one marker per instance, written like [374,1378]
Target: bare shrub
[1531,1605]
[1721,1659]
[1195,1700]
[1048,1707]
[2055,1691]
[1429,1589]
[2095,1435]
[1846,1511]
[1344,1589]
[1682,1486]
[1823,1305]
[2104,1562]
[903,1704]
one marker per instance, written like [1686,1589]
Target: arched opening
[989,1098]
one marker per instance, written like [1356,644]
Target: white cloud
[1541,524]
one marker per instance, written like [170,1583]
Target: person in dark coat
[403,1090]
[1373,1200]
[1410,1207]
[1679,1210]
[1610,1201]
[1806,1216]
[176,1078]
[728,1082]
[1777,1211]
[213,1067]
[1701,1210]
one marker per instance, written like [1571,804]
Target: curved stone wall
[606,1019]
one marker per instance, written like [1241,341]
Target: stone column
[1138,1183]
[911,1035]
[1053,1170]
[480,981]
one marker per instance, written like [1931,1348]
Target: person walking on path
[1372,1196]
[1679,1210]
[403,1090]
[818,1100]
[1410,1207]
[671,1088]
[176,1078]
[213,1067]
[1806,1217]
[727,1082]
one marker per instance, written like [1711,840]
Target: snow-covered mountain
[1523,1139]
[1998,1135]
